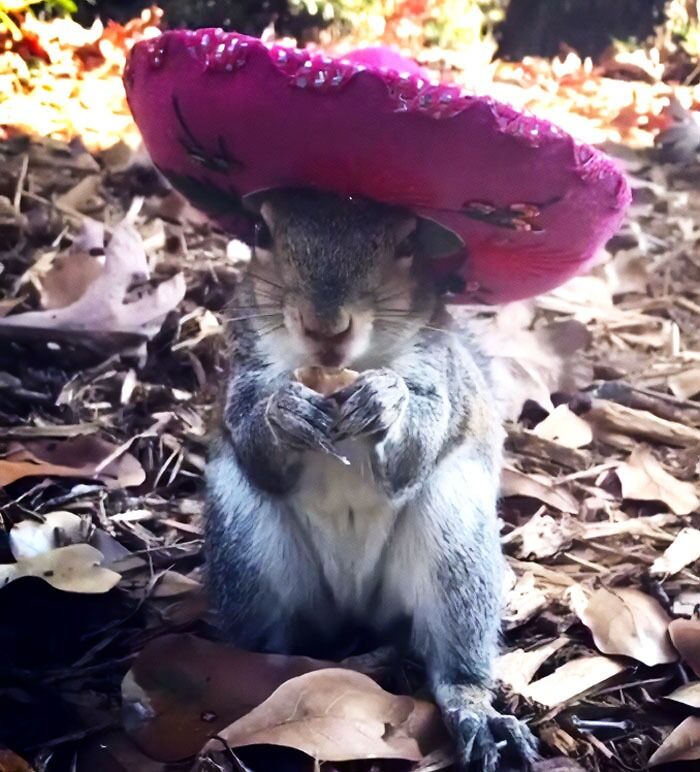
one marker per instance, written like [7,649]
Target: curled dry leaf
[182,689]
[543,536]
[608,417]
[685,636]
[537,486]
[642,477]
[688,694]
[518,667]
[627,622]
[683,744]
[80,456]
[565,427]
[104,307]
[76,568]
[684,550]
[340,715]
[523,601]
[572,679]
[58,529]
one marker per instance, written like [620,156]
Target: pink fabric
[224,116]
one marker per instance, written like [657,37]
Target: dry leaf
[685,385]
[537,486]
[172,584]
[58,529]
[642,477]
[77,457]
[565,427]
[683,744]
[685,636]
[11,762]
[607,417]
[523,601]
[76,568]
[572,679]
[517,668]
[627,622]
[684,550]
[688,694]
[104,306]
[339,715]
[543,536]
[182,689]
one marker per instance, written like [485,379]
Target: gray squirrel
[375,507]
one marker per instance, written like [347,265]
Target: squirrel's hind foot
[487,741]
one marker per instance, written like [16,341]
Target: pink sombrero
[225,116]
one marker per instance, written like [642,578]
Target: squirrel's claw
[491,742]
[370,405]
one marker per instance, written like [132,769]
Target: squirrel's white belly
[347,518]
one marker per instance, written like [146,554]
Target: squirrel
[373,508]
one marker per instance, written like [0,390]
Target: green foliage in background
[8,7]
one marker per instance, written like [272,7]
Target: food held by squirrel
[341,347]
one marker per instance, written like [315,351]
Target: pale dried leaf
[523,601]
[686,384]
[688,694]
[565,427]
[337,715]
[76,568]
[30,538]
[517,668]
[572,679]
[543,536]
[643,478]
[104,307]
[627,622]
[683,744]
[684,550]
[537,486]
[685,636]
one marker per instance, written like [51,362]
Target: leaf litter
[111,298]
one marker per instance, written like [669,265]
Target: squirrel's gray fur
[402,540]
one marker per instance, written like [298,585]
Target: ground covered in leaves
[111,293]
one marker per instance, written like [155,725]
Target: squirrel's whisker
[251,316]
[265,281]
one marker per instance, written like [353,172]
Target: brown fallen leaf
[182,689]
[523,601]
[537,486]
[683,744]
[688,694]
[565,427]
[76,568]
[684,550]
[627,622]
[573,679]
[78,457]
[339,715]
[642,477]
[518,667]
[11,762]
[104,307]
[685,636]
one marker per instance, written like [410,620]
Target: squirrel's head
[340,280]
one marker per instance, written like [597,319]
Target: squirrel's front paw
[302,418]
[372,404]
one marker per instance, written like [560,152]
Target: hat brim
[224,116]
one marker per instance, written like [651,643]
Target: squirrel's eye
[263,237]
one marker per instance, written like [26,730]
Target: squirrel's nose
[329,330]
